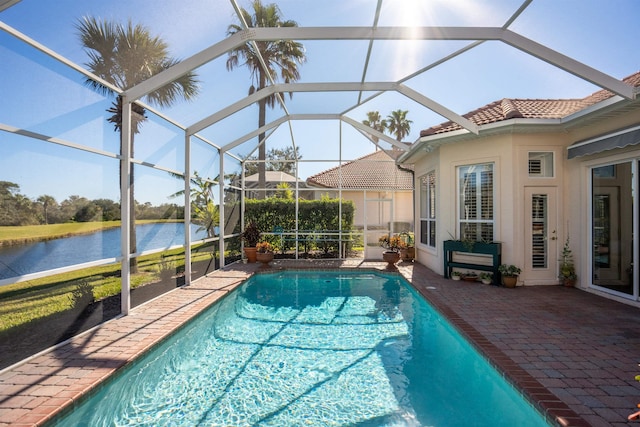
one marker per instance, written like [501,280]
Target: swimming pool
[300,348]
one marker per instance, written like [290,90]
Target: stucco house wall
[506,143]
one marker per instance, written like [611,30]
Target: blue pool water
[312,349]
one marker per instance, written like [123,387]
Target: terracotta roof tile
[375,170]
[506,109]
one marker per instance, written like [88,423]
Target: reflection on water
[40,256]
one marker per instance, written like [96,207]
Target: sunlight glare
[406,58]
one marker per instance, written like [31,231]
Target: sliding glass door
[612,228]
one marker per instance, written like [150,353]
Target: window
[541,164]
[428,209]
[475,186]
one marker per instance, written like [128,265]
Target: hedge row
[313,215]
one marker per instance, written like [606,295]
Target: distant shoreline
[22,235]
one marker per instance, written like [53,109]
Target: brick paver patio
[573,353]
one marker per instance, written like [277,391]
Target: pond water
[29,258]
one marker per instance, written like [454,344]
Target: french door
[541,235]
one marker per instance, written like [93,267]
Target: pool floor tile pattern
[574,353]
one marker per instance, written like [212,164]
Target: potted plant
[392,244]
[456,275]
[264,253]
[408,250]
[486,278]
[509,274]
[470,276]
[251,237]
[567,273]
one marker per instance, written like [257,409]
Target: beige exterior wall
[509,152]
[402,205]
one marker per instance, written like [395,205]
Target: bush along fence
[318,222]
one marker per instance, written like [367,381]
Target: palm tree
[374,121]
[280,56]
[205,212]
[398,124]
[47,201]
[124,56]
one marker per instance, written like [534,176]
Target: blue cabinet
[493,249]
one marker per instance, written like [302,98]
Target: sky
[40,95]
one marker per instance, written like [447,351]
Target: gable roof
[375,170]
[507,108]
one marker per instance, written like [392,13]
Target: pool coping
[547,404]
[41,389]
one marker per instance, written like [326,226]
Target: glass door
[612,208]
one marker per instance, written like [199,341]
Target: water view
[34,257]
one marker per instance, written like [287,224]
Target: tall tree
[124,56]
[374,121]
[398,124]
[280,57]
[47,202]
[277,160]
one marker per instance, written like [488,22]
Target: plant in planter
[408,251]
[509,274]
[251,237]
[470,277]
[567,274]
[393,245]
[264,253]
[264,248]
[486,278]
[456,275]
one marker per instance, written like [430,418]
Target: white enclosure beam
[358,125]
[333,87]
[290,87]
[187,209]
[254,134]
[125,207]
[20,36]
[568,64]
[5,4]
[379,33]
[438,108]
[221,215]
[309,33]
[231,109]
[186,66]
[276,123]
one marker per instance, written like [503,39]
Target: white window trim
[432,222]
[459,220]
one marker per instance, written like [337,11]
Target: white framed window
[476,202]
[541,164]
[428,209]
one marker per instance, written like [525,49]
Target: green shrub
[82,294]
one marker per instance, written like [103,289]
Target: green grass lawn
[25,301]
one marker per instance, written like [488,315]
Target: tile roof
[375,170]
[506,109]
